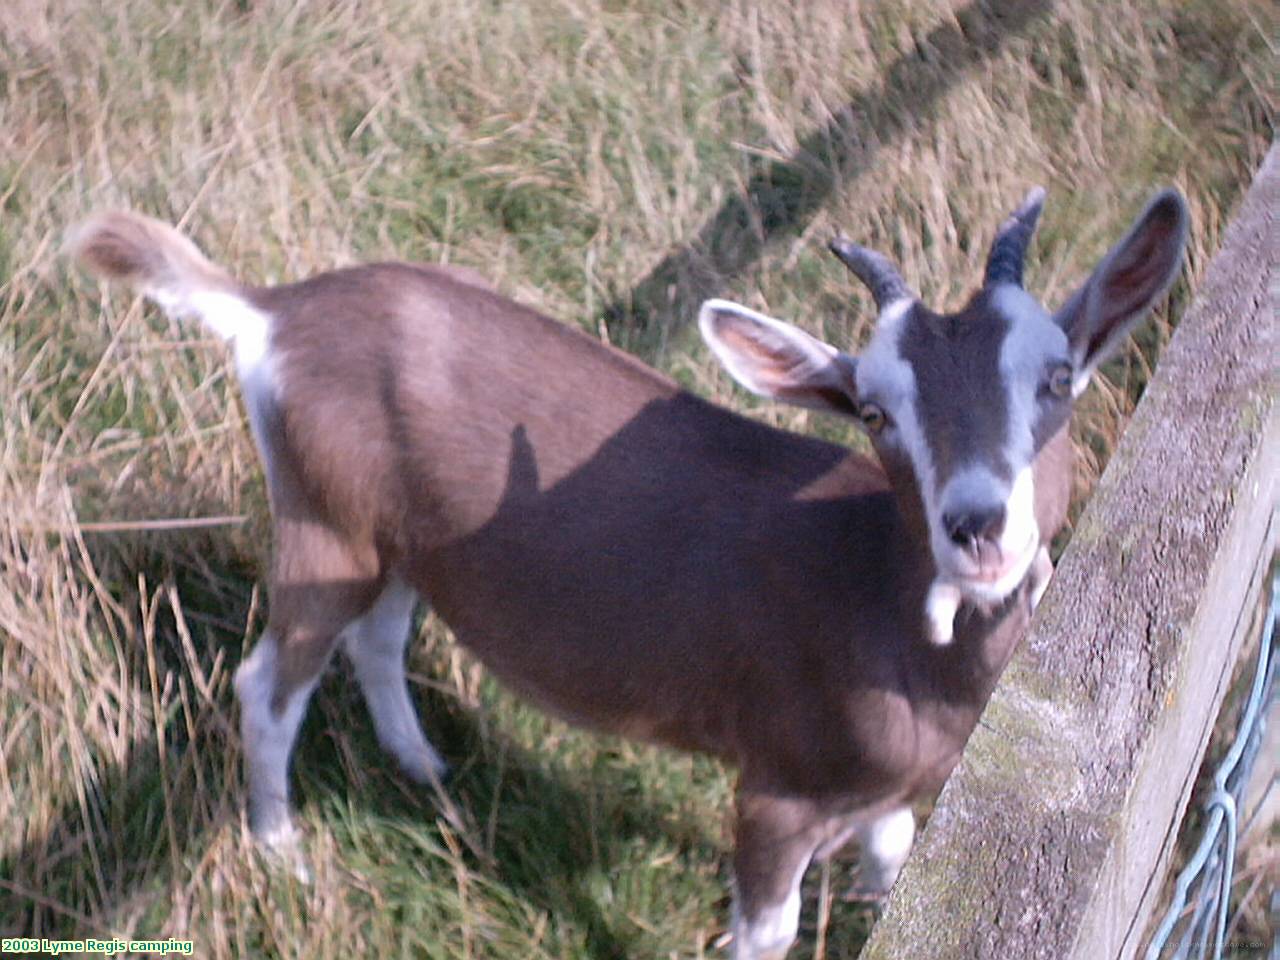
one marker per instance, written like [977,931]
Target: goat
[643,562]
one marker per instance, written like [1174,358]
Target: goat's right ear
[1125,285]
[777,360]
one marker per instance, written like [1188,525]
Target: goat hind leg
[325,585]
[274,692]
[375,645]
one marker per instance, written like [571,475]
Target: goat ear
[777,360]
[1125,285]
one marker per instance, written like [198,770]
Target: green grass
[609,163]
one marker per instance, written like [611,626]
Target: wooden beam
[1054,833]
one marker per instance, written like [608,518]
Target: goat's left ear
[1125,285]
[777,360]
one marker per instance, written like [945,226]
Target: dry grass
[607,162]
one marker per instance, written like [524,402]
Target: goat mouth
[1000,577]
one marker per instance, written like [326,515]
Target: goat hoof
[867,890]
[443,776]
[866,896]
[281,850]
[429,773]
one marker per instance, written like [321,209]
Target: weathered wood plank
[1052,835]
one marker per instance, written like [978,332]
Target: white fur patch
[770,933]
[1018,541]
[1033,344]
[232,318]
[971,486]
[261,393]
[249,331]
[1021,532]
[940,608]
[1080,382]
[1041,574]
[882,373]
[886,843]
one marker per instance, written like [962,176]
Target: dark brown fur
[963,348]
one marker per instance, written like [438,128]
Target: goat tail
[162,264]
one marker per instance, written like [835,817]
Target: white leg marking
[769,934]
[268,739]
[886,842]
[940,607]
[1041,572]
[375,645]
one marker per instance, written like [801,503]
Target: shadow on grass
[563,833]
[126,839]
[781,197]
[99,849]
[77,864]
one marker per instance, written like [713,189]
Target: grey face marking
[965,399]
[886,379]
[1034,348]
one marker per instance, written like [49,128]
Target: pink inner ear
[1140,272]
[765,364]
[1127,288]
[744,344]
[1144,264]
[779,368]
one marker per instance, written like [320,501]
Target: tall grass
[606,162]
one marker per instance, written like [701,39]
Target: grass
[609,163]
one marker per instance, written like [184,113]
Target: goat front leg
[886,841]
[776,838]
[1041,573]
[320,584]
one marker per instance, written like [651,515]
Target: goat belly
[592,686]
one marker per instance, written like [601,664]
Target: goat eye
[1060,381]
[873,418]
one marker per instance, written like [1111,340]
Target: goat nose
[969,526]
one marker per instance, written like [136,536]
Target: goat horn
[881,277]
[1009,248]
